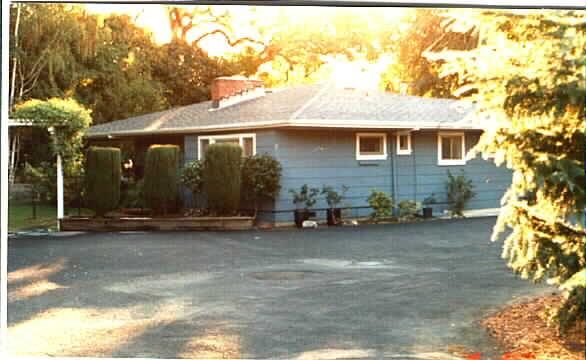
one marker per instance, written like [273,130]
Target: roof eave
[305,123]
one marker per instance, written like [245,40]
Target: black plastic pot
[301,215]
[427,212]
[334,216]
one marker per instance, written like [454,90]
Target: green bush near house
[306,196]
[261,178]
[103,174]
[459,189]
[408,208]
[192,176]
[134,196]
[222,178]
[381,203]
[160,188]
[333,197]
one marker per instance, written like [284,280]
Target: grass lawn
[20,215]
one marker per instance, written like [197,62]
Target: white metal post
[59,191]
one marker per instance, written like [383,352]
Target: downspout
[414,169]
[393,168]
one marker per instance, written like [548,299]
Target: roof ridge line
[298,112]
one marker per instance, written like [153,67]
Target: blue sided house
[329,134]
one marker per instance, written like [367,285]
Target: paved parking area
[399,291]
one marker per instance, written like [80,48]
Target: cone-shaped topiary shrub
[103,179]
[161,180]
[222,178]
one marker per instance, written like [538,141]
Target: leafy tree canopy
[287,49]
[528,80]
[411,71]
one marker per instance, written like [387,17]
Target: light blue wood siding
[328,157]
[419,175]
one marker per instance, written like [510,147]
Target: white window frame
[450,162]
[212,139]
[382,156]
[409,148]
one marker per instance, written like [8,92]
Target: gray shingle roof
[324,104]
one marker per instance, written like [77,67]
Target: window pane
[248,146]
[452,147]
[371,145]
[457,148]
[403,142]
[228,141]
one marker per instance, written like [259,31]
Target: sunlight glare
[84,332]
[35,289]
[213,345]
[36,271]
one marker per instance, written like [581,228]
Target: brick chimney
[234,89]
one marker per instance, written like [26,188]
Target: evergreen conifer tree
[529,74]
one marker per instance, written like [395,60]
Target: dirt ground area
[522,331]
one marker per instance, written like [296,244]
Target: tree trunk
[13,155]
[14,60]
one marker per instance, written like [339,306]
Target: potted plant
[306,197]
[333,198]
[459,188]
[427,209]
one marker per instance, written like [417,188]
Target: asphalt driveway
[401,291]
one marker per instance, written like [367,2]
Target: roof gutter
[305,123]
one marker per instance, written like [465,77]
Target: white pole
[59,191]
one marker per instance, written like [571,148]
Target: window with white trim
[246,141]
[371,146]
[451,148]
[403,143]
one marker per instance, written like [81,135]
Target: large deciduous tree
[117,79]
[59,50]
[529,78]
[289,48]
[186,72]
[426,30]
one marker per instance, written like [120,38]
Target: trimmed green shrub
[103,179]
[381,203]
[459,190]
[222,178]
[408,208]
[261,178]
[160,188]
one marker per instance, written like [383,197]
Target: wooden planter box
[133,223]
